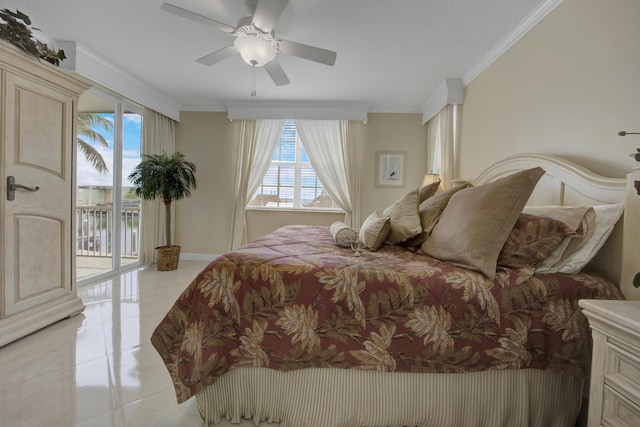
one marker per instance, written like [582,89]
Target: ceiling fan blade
[276,73]
[323,56]
[168,7]
[218,55]
[267,13]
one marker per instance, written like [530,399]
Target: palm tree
[165,177]
[86,123]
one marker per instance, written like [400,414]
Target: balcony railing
[94,233]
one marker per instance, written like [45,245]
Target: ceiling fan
[255,40]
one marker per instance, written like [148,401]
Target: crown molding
[374,108]
[450,91]
[313,110]
[380,108]
[511,39]
[213,107]
[90,65]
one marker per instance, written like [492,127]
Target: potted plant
[15,28]
[168,178]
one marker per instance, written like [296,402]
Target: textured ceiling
[393,54]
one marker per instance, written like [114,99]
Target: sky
[132,141]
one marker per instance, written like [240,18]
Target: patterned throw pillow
[581,219]
[374,231]
[532,239]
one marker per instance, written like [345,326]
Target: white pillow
[606,218]
[581,219]
[342,234]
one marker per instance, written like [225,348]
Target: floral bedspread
[294,299]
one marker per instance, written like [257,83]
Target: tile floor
[99,368]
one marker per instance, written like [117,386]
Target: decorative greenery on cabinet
[15,28]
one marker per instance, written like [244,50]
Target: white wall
[203,221]
[566,88]
[392,132]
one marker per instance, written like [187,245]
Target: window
[290,181]
[107,212]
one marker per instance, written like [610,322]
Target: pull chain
[253,80]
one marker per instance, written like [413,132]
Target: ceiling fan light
[255,50]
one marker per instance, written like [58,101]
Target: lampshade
[430,178]
[255,50]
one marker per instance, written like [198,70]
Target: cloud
[87,175]
[128,164]
[131,154]
[133,118]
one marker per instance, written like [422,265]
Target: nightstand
[614,396]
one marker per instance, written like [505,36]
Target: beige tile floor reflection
[99,368]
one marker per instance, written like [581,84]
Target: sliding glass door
[107,209]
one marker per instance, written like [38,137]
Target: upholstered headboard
[568,184]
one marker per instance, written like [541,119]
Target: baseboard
[197,257]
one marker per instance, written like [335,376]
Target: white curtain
[442,144]
[333,147]
[353,135]
[256,141]
[158,136]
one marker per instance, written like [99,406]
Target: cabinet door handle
[12,187]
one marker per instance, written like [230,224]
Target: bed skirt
[325,397]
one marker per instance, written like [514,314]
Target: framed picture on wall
[390,168]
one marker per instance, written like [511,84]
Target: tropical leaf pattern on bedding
[294,299]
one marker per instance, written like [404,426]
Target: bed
[295,330]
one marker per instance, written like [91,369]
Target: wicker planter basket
[167,257]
